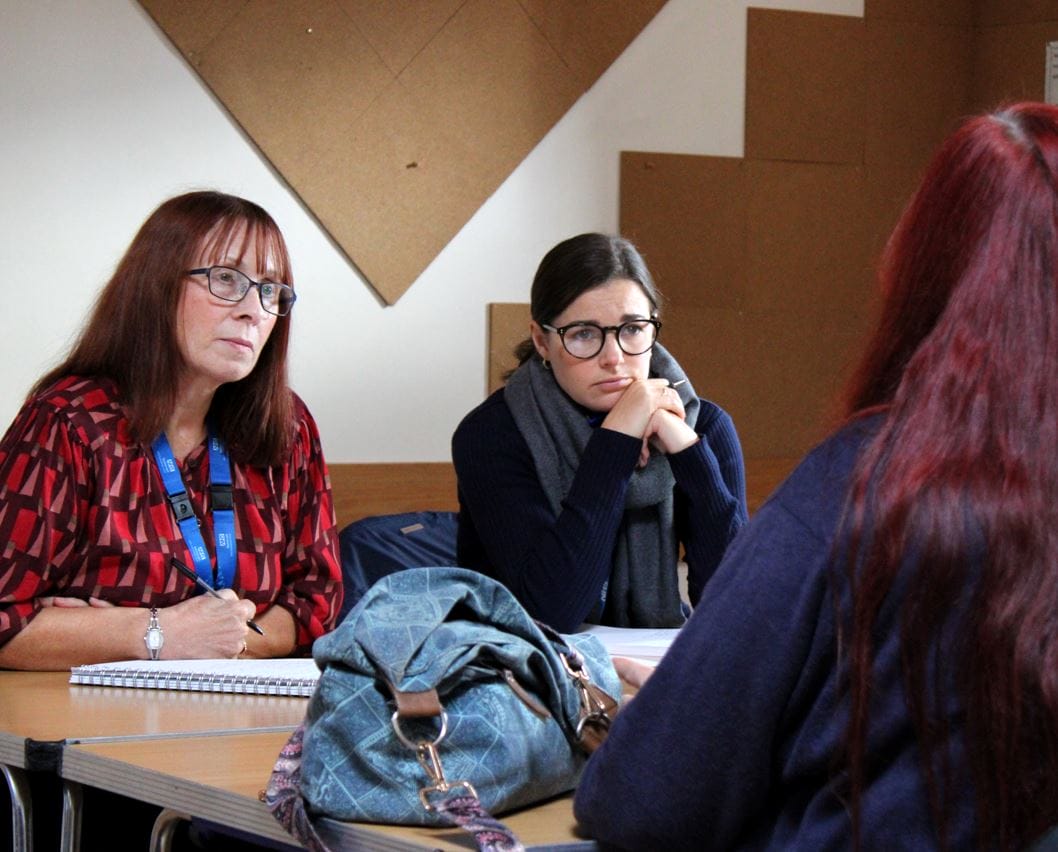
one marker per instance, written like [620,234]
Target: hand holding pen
[208,589]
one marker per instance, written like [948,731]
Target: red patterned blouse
[83,512]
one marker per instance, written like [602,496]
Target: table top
[219,778]
[45,707]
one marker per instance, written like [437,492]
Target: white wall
[100,119]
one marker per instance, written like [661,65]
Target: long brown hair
[130,336]
[962,477]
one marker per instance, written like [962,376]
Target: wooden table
[40,712]
[195,754]
[219,778]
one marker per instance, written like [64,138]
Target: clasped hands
[652,410]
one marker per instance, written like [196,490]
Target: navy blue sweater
[733,742]
[556,566]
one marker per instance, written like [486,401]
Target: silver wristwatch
[154,638]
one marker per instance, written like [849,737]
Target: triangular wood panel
[394,122]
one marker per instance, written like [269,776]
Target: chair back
[378,545]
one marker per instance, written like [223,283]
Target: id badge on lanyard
[221,508]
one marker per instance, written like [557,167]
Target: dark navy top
[734,741]
[556,567]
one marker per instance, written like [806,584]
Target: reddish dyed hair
[130,336]
[963,474]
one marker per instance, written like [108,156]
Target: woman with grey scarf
[580,480]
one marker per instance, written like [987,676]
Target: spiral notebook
[283,676]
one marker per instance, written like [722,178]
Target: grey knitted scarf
[643,590]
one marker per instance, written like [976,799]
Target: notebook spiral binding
[187,681]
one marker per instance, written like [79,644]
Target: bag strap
[463,811]
[283,797]
[597,707]
[490,834]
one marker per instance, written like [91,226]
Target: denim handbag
[437,688]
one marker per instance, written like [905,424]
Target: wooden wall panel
[773,344]
[763,476]
[318,73]
[490,74]
[992,12]
[587,41]
[687,215]
[508,326]
[789,381]
[712,347]
[806,237]
[805,80]
[394,122]
[769,264]
[395,35]
[767,276]
[192,24]
[943,12]
[920,87]
[362,490]
[887,190]
[1010,63]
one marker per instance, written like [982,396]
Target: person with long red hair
[875,662]
[166,455]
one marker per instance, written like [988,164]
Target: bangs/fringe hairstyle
[130,336]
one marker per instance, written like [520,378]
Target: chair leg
[21,808]
[70,840]
[164,827]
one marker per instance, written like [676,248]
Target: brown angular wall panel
[991,12]
[683,229]
[923,92]
[805,80]
[508,326]
[380,488]
[941,12]
[395,35]
[768,263]
[587,41]
[192,24]
[766,275]
[394,122]
[806,233]
[318,76]
[1011,63]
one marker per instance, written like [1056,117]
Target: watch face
[154,638]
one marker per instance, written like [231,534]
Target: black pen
[208,589]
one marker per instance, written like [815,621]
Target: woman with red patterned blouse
[168,446]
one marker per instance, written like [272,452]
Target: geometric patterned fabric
[84,513]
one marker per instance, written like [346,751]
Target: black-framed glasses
[232,286]
[586,339]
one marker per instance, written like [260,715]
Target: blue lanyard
[221,505]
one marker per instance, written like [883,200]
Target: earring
[546,364]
